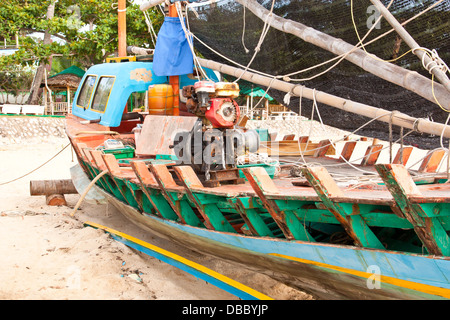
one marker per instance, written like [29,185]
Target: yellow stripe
[442,292]
[192,264]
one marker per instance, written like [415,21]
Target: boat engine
[220,143]
[213,103]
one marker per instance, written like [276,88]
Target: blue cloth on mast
[172,53]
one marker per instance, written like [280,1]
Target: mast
[432,66]
[122,27]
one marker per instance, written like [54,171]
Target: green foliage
[15,79]
[87,29]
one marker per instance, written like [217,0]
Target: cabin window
[86,92]
[101,95]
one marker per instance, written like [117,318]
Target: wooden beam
[407,79]
[428,227]
[432,161]
[348,214]
[148,186]
[122,27]
[371,155]
[403,155]
[207,206]
[284,216]
[396,118]
[347,151]
[176,200]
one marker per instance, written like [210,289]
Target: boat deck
[373,206]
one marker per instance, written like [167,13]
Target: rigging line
[367,43]
[356,130]
[1,184]
[263,35]
[243,32]
[189,39]
[360,41]
[196,63]
[340,57]
[323,63]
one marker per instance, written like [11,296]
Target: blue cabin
[106,88]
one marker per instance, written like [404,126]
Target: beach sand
[49,254]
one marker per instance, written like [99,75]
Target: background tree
[83,30]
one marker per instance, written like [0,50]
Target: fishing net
[221,26]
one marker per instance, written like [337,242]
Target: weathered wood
[403,155]
[176,199]
[348,214]
[431,162]
[428,228]
[121,178]
[283,215]
[209,211]
[371,155]
[292,148]
[48,187]
[322,148]
[347,151]
[289,137]
[55,200]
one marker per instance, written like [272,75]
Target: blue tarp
[172,53]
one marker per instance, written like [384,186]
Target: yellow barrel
[160,99]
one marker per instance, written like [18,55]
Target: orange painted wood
[372,154]
[403,157]
[432,161]
[347,150]
[322,148]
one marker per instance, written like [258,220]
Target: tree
[86,30]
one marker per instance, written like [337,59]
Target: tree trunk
[34,96]
[407,79]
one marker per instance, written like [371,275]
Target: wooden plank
[403,155]
[209,211]
[303,139]
[91,170]
[431,162]
[176,199]
[251,216]
[291,148]
[101,166]
[347,151]
[428,228]
[289,137]
[371,155]
[120,178]
[348,215]
[148,186]
[322,148]
[158,133]
[285,218]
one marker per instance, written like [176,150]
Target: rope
[261,40]
[85,192]
[243,33]
[188,33]
[1,184]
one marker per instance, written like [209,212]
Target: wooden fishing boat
[384,240]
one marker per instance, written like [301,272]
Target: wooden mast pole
[432,66]
[174,81]
[394,117]
[122,27]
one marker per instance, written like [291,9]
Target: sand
[47,254]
